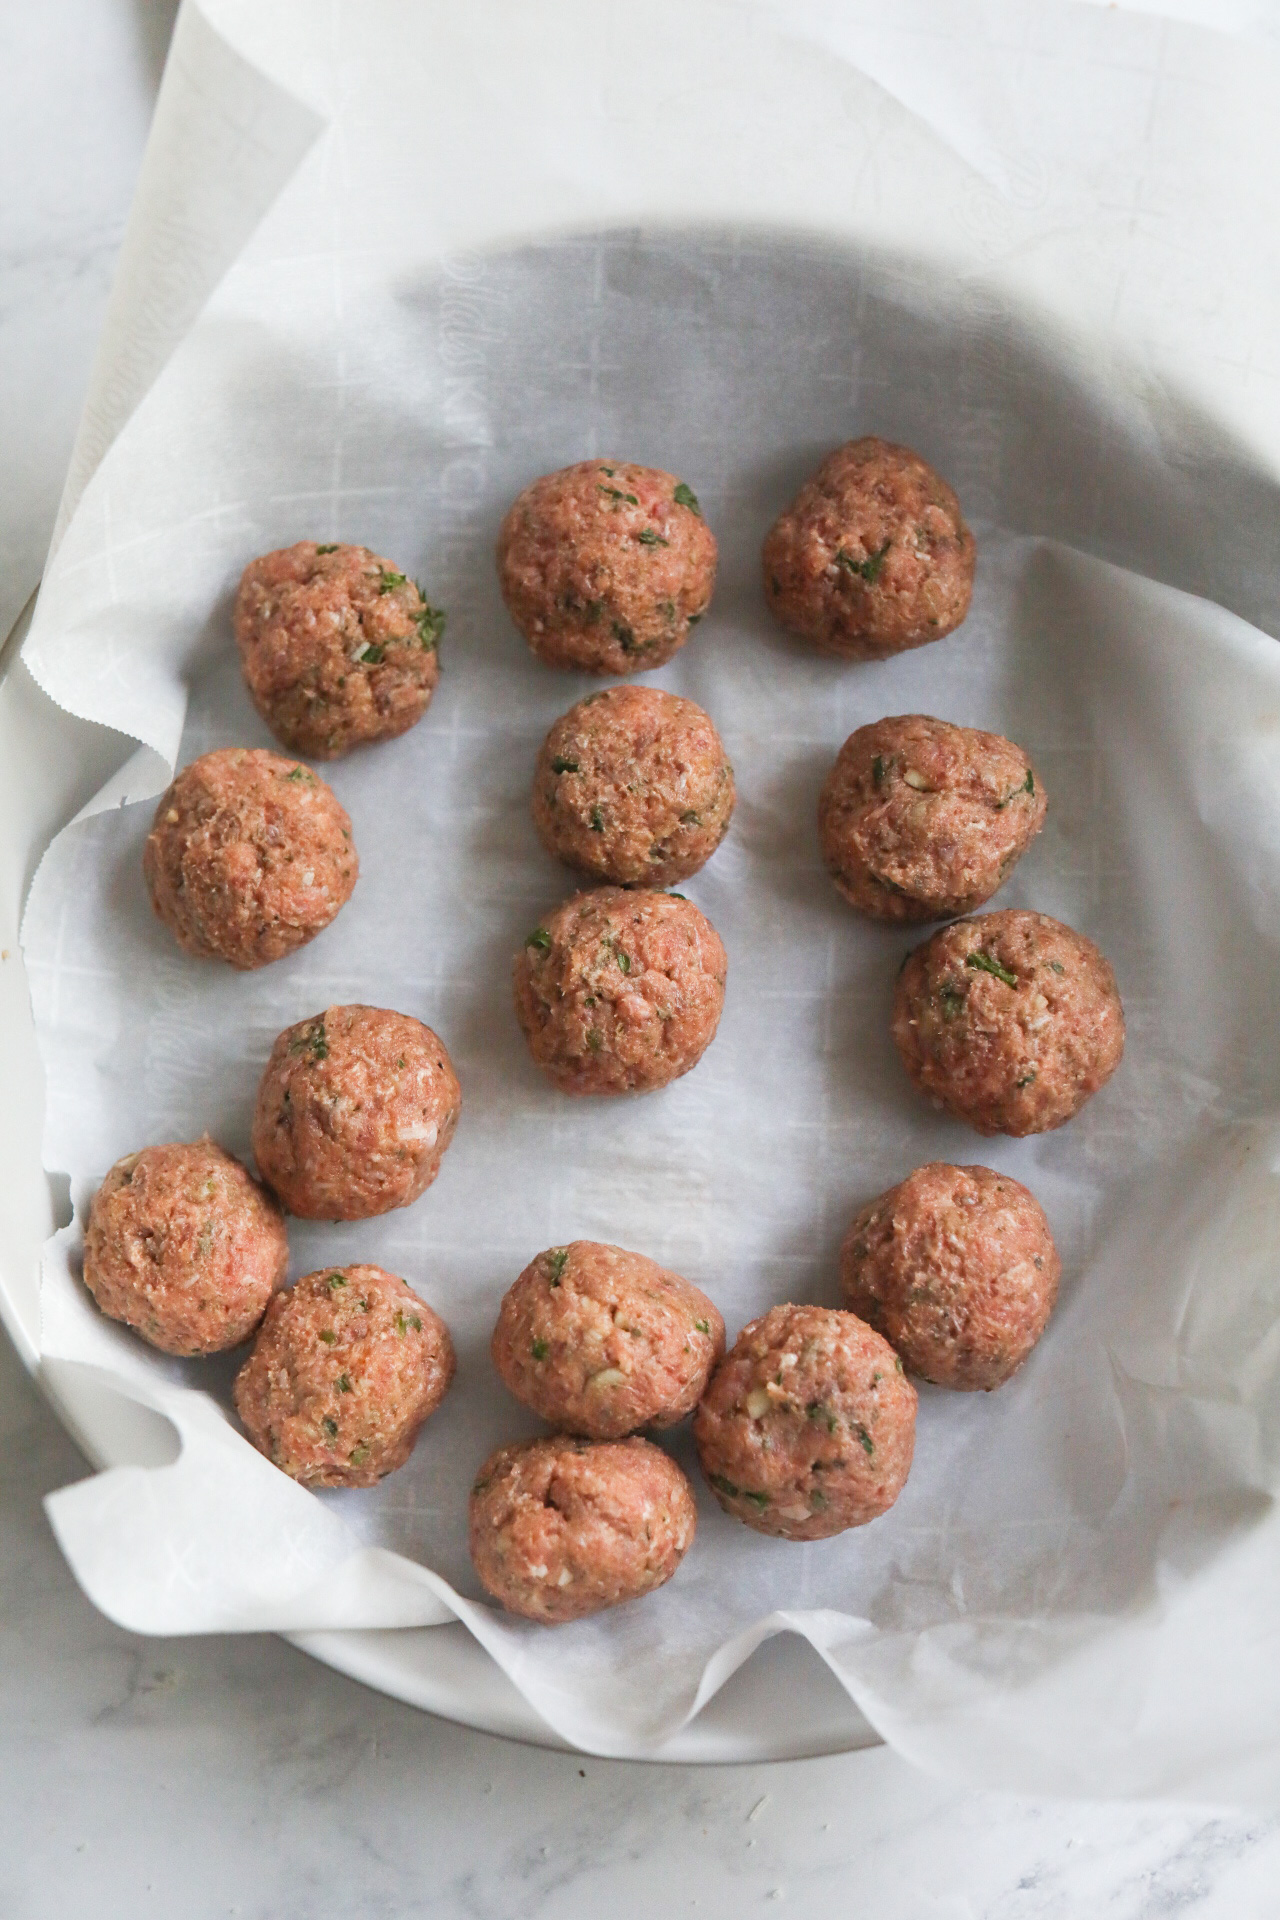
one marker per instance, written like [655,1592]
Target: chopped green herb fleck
[985,962]
[623,958]
[390,581]
[556,1262]
[402,1325]
[560,765]
[430,624]
[344,1383]
[952,1002]
[703,1326]
[330,546]
[673,895]
[624,636]
[879,767]
[616,493]
[330,1427]
[609,470]
[650,537]
[540,1349]
[817,1499]
[358,1454]
[595,1040]
[328,1336]
[370,655]
[415,1322]
[540,938]
[817,1410]
[733,1492]
[311,1040]
[337,1280]
[865,1441]
[1028,786]
[694,619]
[1027,1080]
[301,773]
[597,819]
[686,497]
[867,569]
[594,609]
[1056,966]
[667,608]
[690,819]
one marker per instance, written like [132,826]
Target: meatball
[633,785]
[872,556]
[346,1367]
[354,1113]
[337,648]
[1009,1021]
[921,820]
[808,1426]
[956,1267]
[561,1528]
[600,1341]
[184,1247]
[620,992]
[249,857]
[606,566]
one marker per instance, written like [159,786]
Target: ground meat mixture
[561,1528]
[606,566]
[249,857]
[808,1426]
[620,992]
[956,1267]
[1010,1021]
[921,820]
[633,785]
[354,1113]
[346,1367]
[600,1341]
[872,557]
[338,648]
[184,1247]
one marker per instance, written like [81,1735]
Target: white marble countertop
[237,1777]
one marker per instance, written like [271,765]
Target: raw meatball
[561,1528]
[921,820]
[183,1246]
[605,566]
[808,1426]
[249,857]
[633,785]
[956,1267]
[346,1367]
[1009,1021]
[600,1341]
[872,556]
[620,992]
[355,1111]
[337,648]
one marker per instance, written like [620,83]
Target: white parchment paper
[510,245]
